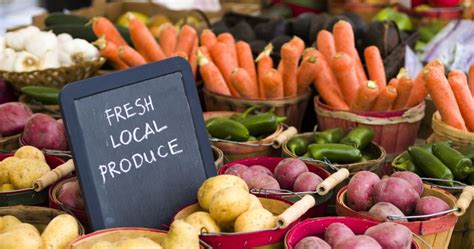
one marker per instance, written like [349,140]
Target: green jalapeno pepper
[264,123]
[336,153]
[307,154]
[228,129]
[45,95]
[297,146]
[359,137]
[240,116]
[468,151]
[330,136]
[430,165]
[459,165]
[405,162]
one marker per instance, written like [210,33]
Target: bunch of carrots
[452,95]
[228,68]
[172,42]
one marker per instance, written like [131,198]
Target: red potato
[360,190]
[312,242]
[44,132]
[382,210]
[288,170]
[70,194]
[260,169]
[306,181]
[411,178]
[359,242]
[262,181]
[337,232]
[13,118]
[430,205]
[62,140]
[397,191]
[239,170]
[391,235]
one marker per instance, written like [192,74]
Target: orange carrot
[109,51]
[310,52]
[419,91]
[212,77]
[186,39]
[343,67]
[130,56]
[325,44]
[471,79]
[208,38]
[404,88]
[241,81]
[102,26]
[298,44]
[264,63]
[443,97]
[205,52]
[385,100]
[193,57]
[143,40]
[289,60]
[375,67]
[280,67]
[345,42]
[245,59]
[222,58]
[182,55]
[168,38]
[458,82]
[229,41]
[393,82]
[272,84]
[306,73]
[326,84]
[365,97]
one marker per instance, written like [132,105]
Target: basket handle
[332,181]
[464,200]
[284,137]
[295,211]
[53,175]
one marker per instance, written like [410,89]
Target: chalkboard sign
[139,143]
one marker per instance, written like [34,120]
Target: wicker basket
[54,77]
[63,154]
[293,108]
[435,231]
[36,216]
[52,110]
[442,131]
[218,157]
[233,151]
[9,144]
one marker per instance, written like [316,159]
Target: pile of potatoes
[398,195]
[387,235]
[58,234]
[290,173]
[181,235]
[227,206]
[22,169]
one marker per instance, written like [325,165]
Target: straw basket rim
[108,230]
[443,130]
[256,102]
[10,138]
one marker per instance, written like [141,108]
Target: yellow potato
[181,235]
[5,167]
[20,239]
[24,226]
[212,185]
[254,202]
[6,187]
[103,245]
[203,221]
[137,243]
[25,171]
[8,221]
[229,203]
[30,152]
[60,232]
[255,220]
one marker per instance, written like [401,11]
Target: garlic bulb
[7,59]
[18,39]
[26,62]
[63,38]
[78,50]
[41,42]
[50,60]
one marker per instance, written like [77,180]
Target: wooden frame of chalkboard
[81,103]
